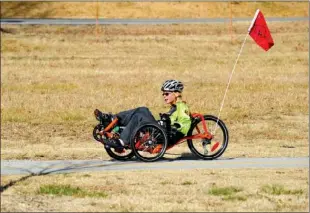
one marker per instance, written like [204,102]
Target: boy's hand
[176,125]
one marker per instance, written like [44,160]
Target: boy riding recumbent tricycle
[207,137]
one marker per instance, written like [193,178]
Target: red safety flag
[259,31]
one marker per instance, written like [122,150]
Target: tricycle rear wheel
[122,155]
[149,142]
[125,154]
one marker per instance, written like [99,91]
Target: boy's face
[169,97]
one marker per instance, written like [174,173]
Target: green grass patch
[235,198]
[165,182]
[69,116]
[226,191]
[52,87]
[16,114]
[276,189]
[40,88]
[23,115]
[19,45]
[67,190]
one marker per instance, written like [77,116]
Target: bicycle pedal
[205,150]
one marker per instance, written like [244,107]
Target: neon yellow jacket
[181,115]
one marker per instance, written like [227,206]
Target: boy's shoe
[106,118]
[112,143]
[119,150]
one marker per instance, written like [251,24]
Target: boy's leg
[126,116]
[131,119]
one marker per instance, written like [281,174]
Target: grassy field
[199,190]
[150,9]
[53,77]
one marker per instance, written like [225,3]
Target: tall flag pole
[97,21]
[259,31]
[231,36]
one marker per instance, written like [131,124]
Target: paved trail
[10,167]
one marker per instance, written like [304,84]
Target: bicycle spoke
[150,150]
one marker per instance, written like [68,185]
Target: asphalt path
[30,167]
[76,21]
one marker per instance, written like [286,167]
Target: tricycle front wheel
[209,149]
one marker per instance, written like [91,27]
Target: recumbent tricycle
[207,137]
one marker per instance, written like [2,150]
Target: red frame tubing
[138,144]
[206,134]
[111,125]
[202,120]
[106,130]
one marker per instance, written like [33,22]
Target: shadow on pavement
[188,156]
[73,166]
[175,157]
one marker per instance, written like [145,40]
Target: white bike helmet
[172,86]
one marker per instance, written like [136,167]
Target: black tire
[125,155]
[219,140]
[96,131]
[146,139]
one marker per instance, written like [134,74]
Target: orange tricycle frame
[205,135]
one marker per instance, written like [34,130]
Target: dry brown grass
[150,9]
[53,77]
[198,190]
